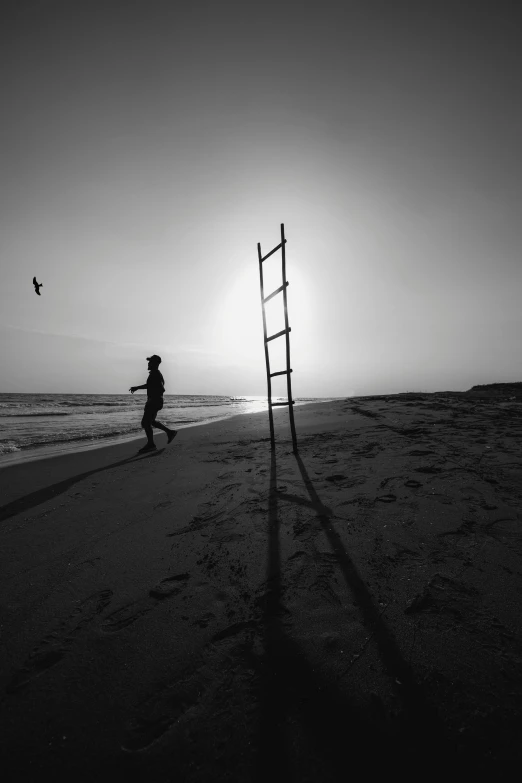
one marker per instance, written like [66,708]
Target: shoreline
[213,605]
[29,476]
[72,447]
[76,447]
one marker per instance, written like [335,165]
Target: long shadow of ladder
[286,332]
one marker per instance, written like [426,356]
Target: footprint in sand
[388,498]
[161,712]
[205,619]
[192,694]
[127,615]
[169,586]
[228,538]
[216,512]
[58,643]
[163,504]
[442,594]
[504,530]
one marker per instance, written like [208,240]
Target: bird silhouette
[37,286]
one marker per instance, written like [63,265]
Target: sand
[218,612]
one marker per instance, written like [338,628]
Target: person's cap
[154,358]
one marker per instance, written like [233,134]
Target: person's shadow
[295,698]
[27,502]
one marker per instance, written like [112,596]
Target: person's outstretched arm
[135,388]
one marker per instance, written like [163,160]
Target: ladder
[286,332]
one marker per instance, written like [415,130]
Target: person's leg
[148,417]
[170,433]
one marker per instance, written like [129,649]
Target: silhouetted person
[155,389]
[37,286]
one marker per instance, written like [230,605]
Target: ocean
[37,425]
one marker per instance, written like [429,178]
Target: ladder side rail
[287,337]
[267,356]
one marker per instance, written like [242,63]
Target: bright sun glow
[239,328]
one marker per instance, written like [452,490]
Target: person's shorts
[151,409]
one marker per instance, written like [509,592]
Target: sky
[147,146]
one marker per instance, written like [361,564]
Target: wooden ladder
[286,332]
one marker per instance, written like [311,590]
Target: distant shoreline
[504,391]
[78,447]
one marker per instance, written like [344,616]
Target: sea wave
[25,415]
[8,447]
[74,437]
[75,404]
[28,422]
[19,404]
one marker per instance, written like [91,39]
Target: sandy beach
[218,612]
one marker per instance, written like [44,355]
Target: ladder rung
[283,331]
[275,292]
[273,404]
[280,245]
[281,372]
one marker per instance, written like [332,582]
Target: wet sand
[218,612]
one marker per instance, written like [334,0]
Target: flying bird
[37,286]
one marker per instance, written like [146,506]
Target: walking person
[155,389]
